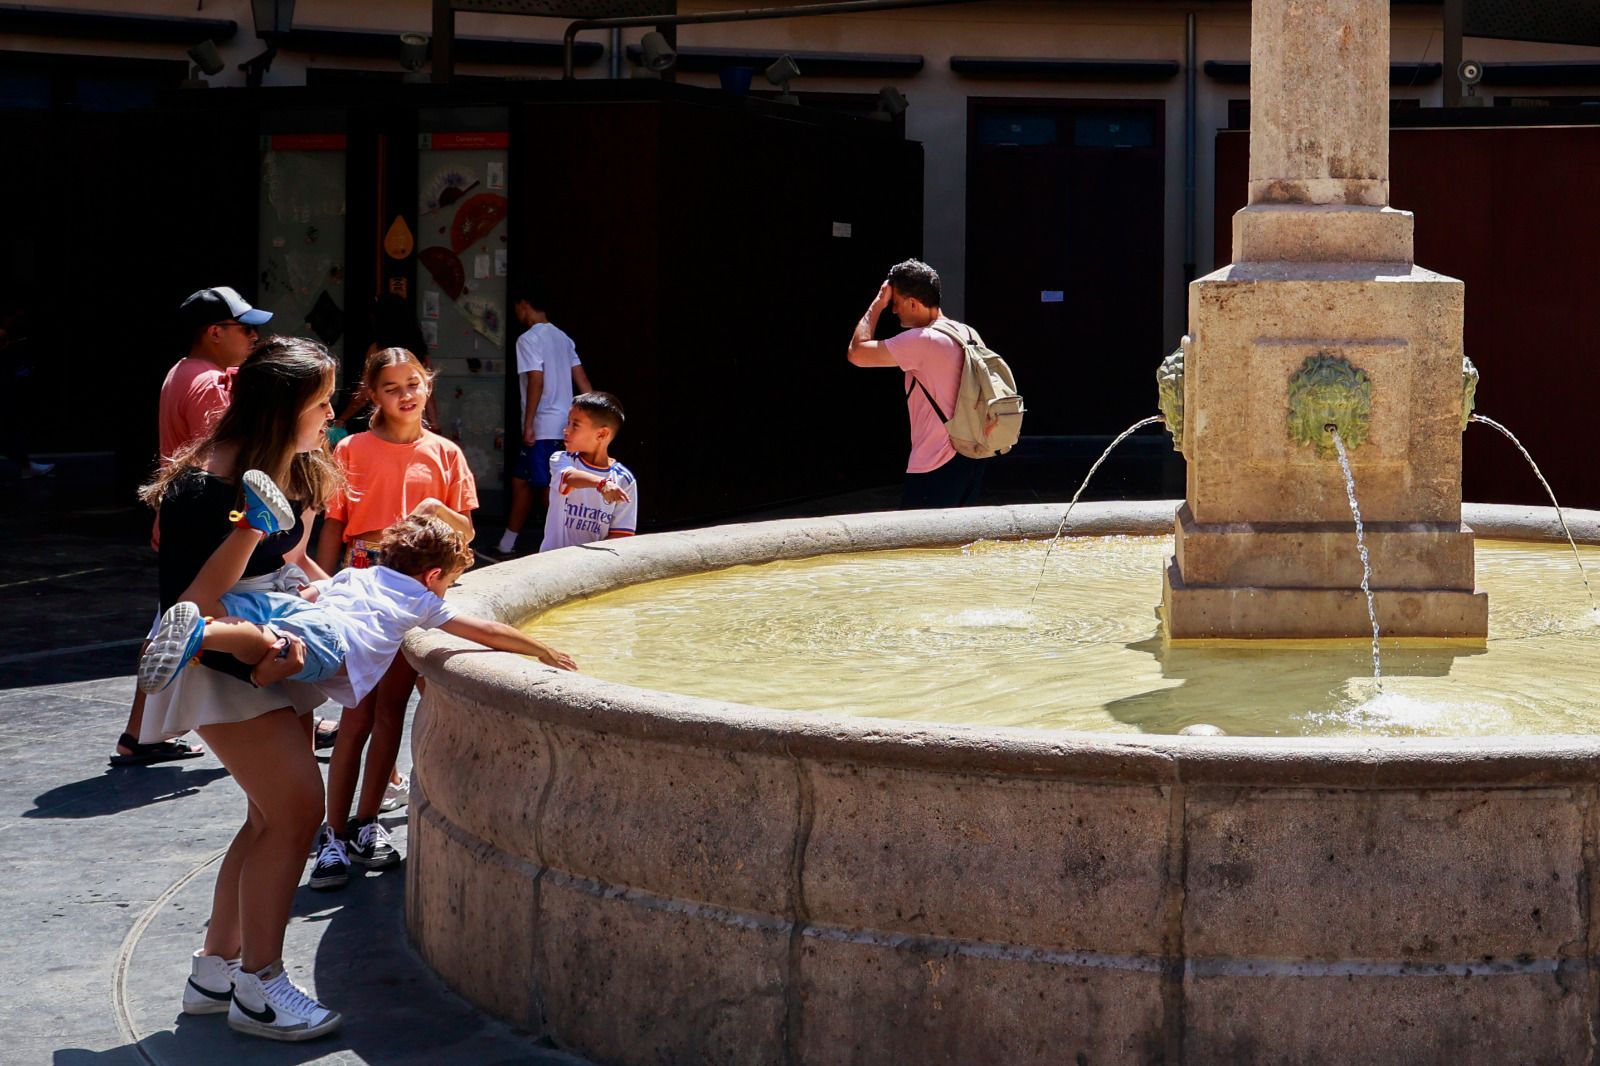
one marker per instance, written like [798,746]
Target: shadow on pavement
[118,790]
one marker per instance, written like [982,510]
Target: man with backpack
[960,396]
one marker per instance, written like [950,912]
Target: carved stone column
[1323,271]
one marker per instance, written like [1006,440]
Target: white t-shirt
[583,516]
[373,609]
[545,347]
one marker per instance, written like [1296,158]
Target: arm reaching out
[432,508]
[609,490]
[501,637]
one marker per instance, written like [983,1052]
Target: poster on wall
[300,258]
[461,235]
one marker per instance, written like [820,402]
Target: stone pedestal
[1265,542]
[1323,267]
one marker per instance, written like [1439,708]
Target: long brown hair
[270,390]
[377,363]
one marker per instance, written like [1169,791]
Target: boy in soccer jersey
[593,496]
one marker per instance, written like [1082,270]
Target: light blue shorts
[325,647]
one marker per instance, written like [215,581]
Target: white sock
[508,542]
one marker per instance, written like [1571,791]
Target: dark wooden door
[1065,231]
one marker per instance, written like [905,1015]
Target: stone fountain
[1322,322]
[647,877]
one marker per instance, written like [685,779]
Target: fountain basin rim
[512,591]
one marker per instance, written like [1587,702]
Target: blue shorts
[325,647]
[533,462]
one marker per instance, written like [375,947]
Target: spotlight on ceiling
[782,71]
[413,55]
[891,102]
[655,54]
[205,60]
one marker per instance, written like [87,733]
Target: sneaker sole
[376,864]
[323,884]
[271,497]
[245,1025]
[170,648]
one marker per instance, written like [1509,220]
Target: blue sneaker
[265,507]
[177,641]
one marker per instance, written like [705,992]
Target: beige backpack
[987,419]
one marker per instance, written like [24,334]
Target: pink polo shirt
[932,358]
[193,397]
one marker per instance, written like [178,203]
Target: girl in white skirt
[256,723]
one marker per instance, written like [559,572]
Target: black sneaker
[332,869]
[370,845]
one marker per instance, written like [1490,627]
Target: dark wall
[106,223]
[689,247]
[694,263]
[1511,211]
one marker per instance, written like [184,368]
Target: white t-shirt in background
[545,347]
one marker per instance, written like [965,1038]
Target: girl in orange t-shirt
[396,468]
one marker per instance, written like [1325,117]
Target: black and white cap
[220,304]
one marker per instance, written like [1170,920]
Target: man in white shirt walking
[550,374]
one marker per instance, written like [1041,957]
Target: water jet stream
[1109,449]
[1366,561]
[1492,424]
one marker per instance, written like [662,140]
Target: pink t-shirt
[193,397]
[932,358]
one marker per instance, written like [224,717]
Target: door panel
[1065,230]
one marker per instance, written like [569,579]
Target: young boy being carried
[351,624]
[598,496]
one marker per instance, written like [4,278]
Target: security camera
[1470,72]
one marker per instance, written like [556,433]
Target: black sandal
[161,751]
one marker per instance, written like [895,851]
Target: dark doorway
[1065,232]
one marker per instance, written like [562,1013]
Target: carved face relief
[1469,391]
[1328,391]
[1169,394]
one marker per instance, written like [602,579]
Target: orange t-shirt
[385,481]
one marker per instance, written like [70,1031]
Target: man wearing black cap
[221,329]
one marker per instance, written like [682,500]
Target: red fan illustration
[476,219]
[446,269]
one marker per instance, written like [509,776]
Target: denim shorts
[533,462]
[284,611]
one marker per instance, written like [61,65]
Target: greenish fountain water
[944,635]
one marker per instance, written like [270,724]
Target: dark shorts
[533,462]
[955,484]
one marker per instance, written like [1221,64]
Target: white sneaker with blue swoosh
[210,987]
[266,1003]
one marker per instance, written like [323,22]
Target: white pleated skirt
[201,696]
